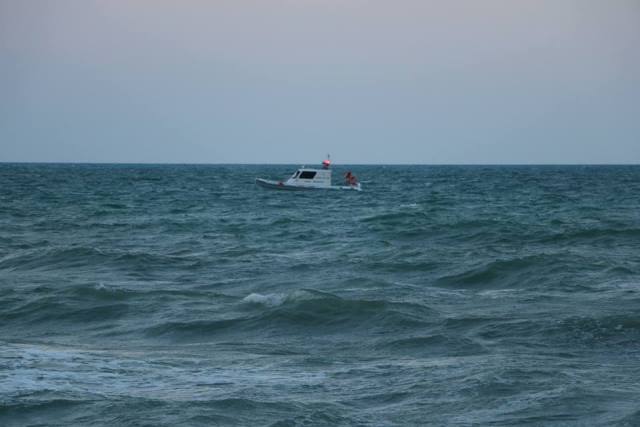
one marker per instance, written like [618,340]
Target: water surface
[158,295]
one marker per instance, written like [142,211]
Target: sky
[288,81]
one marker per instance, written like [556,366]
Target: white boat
[312,179]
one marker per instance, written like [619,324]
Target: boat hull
[280,185]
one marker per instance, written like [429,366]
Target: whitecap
[270,300]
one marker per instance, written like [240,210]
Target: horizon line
[303,163]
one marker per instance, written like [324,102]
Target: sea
[164,295]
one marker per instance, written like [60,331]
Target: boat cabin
[306,177]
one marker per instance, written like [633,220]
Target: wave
[59,257]
[614,234]
[298,295]
[37,412]
[399,266]
[301,312]
[83,256]
[192,329]
[49,311]
[286,221]
[96,309]
[619,330]
[629,420]
[570,333]
[391,219]
[271,300]
[102,292]
[514,272]
[437,345]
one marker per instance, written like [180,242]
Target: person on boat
[350,179]
[326,164]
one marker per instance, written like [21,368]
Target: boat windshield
[307,175]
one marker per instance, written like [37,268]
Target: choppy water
[158,295]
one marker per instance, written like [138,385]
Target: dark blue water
[165,295]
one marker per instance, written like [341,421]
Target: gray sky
[286,81]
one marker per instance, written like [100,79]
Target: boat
[312,179]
